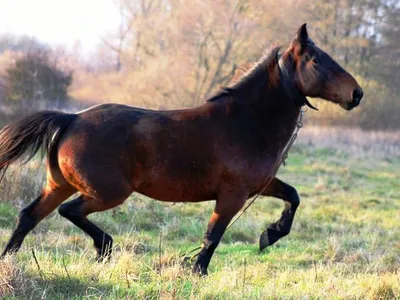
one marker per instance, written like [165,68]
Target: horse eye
[316,61]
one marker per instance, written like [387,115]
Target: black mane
[256,76]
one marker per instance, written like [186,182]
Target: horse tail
[24,138]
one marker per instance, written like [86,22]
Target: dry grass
[353,141]
[14,281]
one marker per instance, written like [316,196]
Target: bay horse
[225,150]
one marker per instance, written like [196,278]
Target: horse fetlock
[104,248]
[24,225]
[10,249]
[201,265]
[199,270]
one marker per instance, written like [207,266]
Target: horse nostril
[357,95]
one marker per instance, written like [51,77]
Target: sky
[60,22]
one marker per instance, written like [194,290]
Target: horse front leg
[225,209]
[280,228]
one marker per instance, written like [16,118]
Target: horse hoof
[269,237]
[200,271]
[103,258]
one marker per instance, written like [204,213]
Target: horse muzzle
[357,96]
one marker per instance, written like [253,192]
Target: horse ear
[302,35]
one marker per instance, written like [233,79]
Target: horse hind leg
[77,211]
[31,215]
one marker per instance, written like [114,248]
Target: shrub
[35,77]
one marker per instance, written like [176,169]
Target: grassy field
[345,241]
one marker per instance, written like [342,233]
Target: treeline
[32,77]
[175,53]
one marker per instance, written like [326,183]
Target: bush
[35,77]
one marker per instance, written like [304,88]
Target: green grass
[345,243]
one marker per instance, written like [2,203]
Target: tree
[35,77]
[116,41]
[386,63]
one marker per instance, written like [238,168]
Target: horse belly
[170,190]
[178,172]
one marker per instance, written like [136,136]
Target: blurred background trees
[174,53]
[34,77]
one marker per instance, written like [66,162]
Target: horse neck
[278,115]
[272,98]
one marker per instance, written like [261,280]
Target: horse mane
[256,75]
